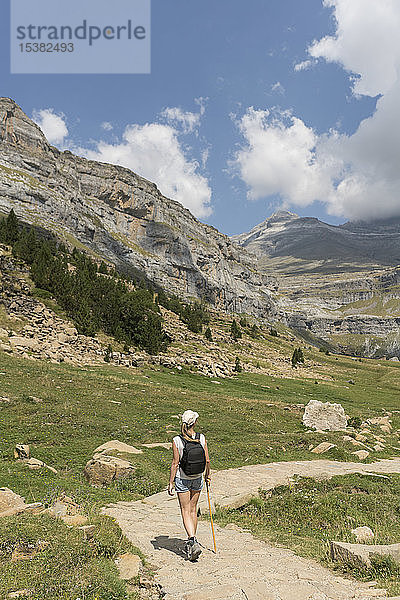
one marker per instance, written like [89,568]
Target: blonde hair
[184,433]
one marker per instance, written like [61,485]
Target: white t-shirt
[179,444]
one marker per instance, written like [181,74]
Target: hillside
[123,218]
[339,284]
[297,245]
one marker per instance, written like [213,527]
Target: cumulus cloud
[52,124]
[155,151]
[302,66]
[107,126]
[279,157]
[356,176]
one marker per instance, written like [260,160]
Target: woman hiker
[190,460]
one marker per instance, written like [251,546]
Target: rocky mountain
[293,244]
[121,217]
[339,284]
[335,285]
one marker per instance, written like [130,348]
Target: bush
[235,331]
[208,334]
[238,367]
[355,422]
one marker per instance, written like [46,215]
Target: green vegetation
[60,564]
[208,334]
[236,332]
[309,514]
[297,357]
[94,301]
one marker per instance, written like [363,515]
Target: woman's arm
[207,476]
[174,468]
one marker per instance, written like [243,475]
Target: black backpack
[193,461]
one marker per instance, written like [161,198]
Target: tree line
[92,295]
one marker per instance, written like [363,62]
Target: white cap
[189,417]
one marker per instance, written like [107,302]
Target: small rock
[128,566]
[323,447]
[22,451]
[116,445]
[74,520]
[232,526]
[363,534]
[166,445]
[18,594]
[358,555]
[88,531]
[361,438]
[362,454]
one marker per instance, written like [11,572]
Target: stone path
[244,568]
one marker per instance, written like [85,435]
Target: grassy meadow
[64,413]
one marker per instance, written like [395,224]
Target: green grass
[67,567]
[247,419]
[308,515]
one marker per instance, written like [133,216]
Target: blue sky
[227,123]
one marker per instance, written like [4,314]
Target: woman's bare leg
[194,498]
[186,511]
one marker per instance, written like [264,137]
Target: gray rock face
[324,416]
[337,284]
[123,218]
[308,240]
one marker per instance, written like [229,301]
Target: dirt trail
[244,568]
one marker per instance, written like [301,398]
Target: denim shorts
[184,485]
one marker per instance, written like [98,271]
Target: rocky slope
[336,284]
[293,244]
[124,218]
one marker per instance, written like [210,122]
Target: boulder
[359,555]
[362,454]
[323,447]
[324,416]
[22,451]
[128,566]
[117,446]
[363,534]
[103,470]
[10,503]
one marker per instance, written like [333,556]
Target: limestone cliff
[124,218]
[336,283]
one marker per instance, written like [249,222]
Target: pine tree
[208,334]
[238,367]
[235,331]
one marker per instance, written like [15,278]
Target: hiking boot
[195,551]
[188,549]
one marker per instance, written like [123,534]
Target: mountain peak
[281,215]
[17,129]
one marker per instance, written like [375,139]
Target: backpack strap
[197,436]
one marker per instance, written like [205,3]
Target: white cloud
[189,121]
[155,152]
[278,87]
[356,176]
[366,42]
[107,126]
[52,124]
[279,157]
[302,66]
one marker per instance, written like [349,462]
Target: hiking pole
[211,519]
